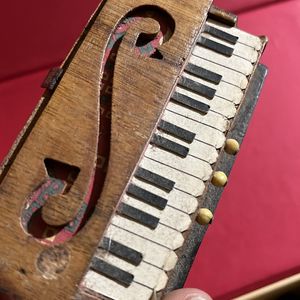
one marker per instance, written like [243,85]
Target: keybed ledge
[209,200]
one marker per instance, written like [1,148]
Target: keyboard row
[140,243]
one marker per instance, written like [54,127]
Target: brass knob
[219,179]
[204,217]
[232,146]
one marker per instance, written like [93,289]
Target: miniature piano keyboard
[101,193]
[140,243]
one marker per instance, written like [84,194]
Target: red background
[254,239]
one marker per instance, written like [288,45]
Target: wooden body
[65,128]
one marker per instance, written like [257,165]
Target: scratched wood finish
[67,129]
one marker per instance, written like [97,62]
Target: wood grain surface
[65,128]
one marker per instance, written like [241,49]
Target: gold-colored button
[219,179]
[204,217]
[232,146]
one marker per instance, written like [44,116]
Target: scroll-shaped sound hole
[144,40]
[59,181]
[60,177]
[62,171]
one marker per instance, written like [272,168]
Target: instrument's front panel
[59,167]
[103,186]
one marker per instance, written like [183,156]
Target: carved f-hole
[60,176]
[62,171]
[59,181]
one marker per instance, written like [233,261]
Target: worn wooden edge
[213,194]
[45,98]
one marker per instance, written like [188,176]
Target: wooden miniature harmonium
[122,163]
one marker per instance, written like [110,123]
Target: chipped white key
[144,273]
[223,89]
[217,104]
[189,164]
[244,37]
[162,234]
[212,118]
[169,216]
[228,75]
[233,62]
[153,253]
[176,198]
[111,289]
[241,50]
[203,132]
[183,181]
[200,150]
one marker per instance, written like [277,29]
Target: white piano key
[223,89]
[153,253]
[234,62]
[196,148]
[241,50]
[189,164]
[183,181]
[244,37]
[169,216]
[228,75]
[176,198]
[144,273]
[217,104]
[162,234]
[211,118]
[111,289]
[203,132]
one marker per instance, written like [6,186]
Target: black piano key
[227,37]
[203,73]
[170,146]
[190,103]
[176,131]
[214,46]
[147,197]
[138,215]
[132,256]
[154,179]
[197,87]
[110,271]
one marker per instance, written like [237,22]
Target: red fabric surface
[238,6]
[254,237]
[37,34]
[18,99]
